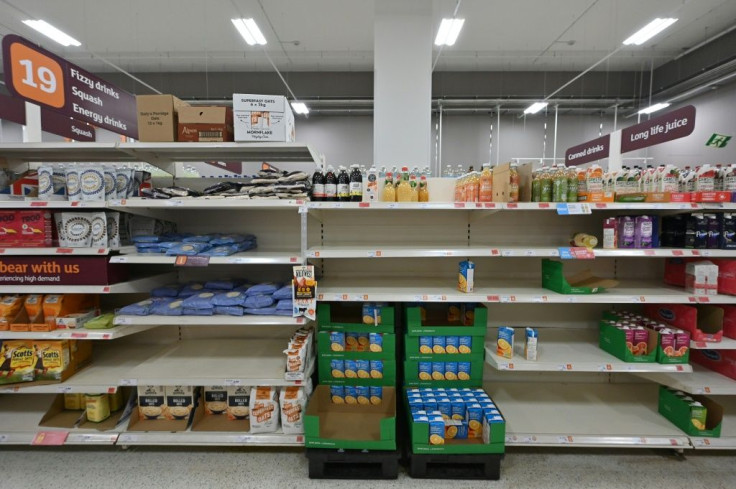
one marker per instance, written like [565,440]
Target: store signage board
[594,150]
[14,110]
[39,76]
[672,125]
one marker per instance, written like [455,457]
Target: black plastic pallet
[353,464]
[481,466]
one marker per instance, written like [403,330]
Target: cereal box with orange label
[293,402]
[264,410]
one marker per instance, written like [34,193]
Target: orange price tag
[36,76]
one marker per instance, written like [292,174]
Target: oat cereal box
[351,394]
[376,394]
[337,394]
[52,359]
[151,401]
[264,409]
[376,367]
[238,402]
[179,402]
[293,404]
[363,394]
[215,399]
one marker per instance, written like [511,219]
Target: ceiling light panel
[448,32]
[535,107]
[52,32]
[649,31]
[249,30]
[300,108]
[654,108]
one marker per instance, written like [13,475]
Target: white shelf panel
[505,206]
[724,344]
[245,258]
[562,350]
[78,334]
[103,375]
[54,251]
[216,362]
[212,203]
[216,320]
[584,415]
[727,440]
[700,381]
[132,286]
[209,438]
[511,291]
[30,203]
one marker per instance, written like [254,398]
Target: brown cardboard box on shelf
[59,417]
[501,182]
[205,124]
[157,117]
[217,422]
[139,424]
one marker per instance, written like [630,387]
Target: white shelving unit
[209,438]
[245,258]
[700,381]
[516,206]
[572,351]
[217,320]
[55,251]
[78,334]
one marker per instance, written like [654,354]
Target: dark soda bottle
[356,184]
[330,185]
[343,185]
[318,186]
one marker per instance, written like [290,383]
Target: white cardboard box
[701,278]
[262,118]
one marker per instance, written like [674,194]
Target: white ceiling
[196,35]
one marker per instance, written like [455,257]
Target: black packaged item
[343,185]
[714,232]
[318,186]
[222,187]
[154,193]
[694,224]
[180,192]
[727,223]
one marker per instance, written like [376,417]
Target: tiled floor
[217,468]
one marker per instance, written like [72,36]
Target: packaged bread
[264,410]
[9,307]
[33,305]
[293,404]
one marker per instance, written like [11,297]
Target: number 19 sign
[41,77]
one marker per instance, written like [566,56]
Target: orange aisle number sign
[36,76]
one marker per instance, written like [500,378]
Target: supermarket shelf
[103,375]
[213,203]
[727,440]
[700,381]
[78,334]
[724,344]
[505,206]
[562,350]
[211,438]
[216,362]
[59,251]
[132,286]
[245,258]
[30,203]
[19,418]
[584,415]
[511,291]
[505,251]
[217,320]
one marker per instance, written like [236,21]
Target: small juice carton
[375,342]
[462,431]
[436,430]
[474,415]
[430,404]
[425,370]
[337,392]
[452,345]
[490,422]
[351,369]
[451,370]
[338,368]
[629,334]
[425,344]
[351,394]
[457,408]
[363,342]
[505,342]
[337,341]
[465,345]
[440,393]
[698,415]
[463,370]
[667,341]
[445,407]
[420,418]
[415,404]
[363,368]
[641,337]
[438,370]
[363,394]
[371,313]
[682,341]
[376,393]
[376,367]
[465,277]
[530,346]
[438,344]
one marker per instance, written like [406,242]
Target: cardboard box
[262,118]
[677,411]
[704,322]
[501,182]
[584,282]
[28,370]
[348,316]
[26,229]
[205,124]
[613,341]
[701,278]
[596,197]
[726,276]
[58,417]
[712,197]
[721,361]
[157,117]
[350,426]
[432,319]
[201,421]
[729,321]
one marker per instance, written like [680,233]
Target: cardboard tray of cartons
[205,124]
[348,316]
[703,321]
[202,421]
[138,424]
[613,341]
[585,282]
[157,117]
[436,323]
[325,374]
[58,417]
[350,426]
[412,351]
[262,118]
[411,374]
[678,412]
[388,348]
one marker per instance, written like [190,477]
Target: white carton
[293,404]
[701,278]
[262,118]
[264,410]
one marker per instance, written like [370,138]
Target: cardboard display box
[348,316]
[502,182]
[205,124]
[350,426]
[262,118]
[388,348]
[584,282]
[79,356]
[58,417]
[413,352]
[216,422]
[326,374]
[721,361]
[138,424]
[613,341]
[704,322]
[157,117]
[26,229]
[434,321]
[412,374]
[678,412]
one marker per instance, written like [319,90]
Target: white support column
[32,129]
[402,93]
[615,160]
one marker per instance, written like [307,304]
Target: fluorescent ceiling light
[52,32]
[300,108]
[535,107]
[649,31]
[448,32]
[654,108]
[250,31]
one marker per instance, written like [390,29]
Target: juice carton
[698,415]
[413,392]
[438,370]
[375,342]
[465,345]
[371,313]
[463,370]
[457,408]
[626,232]
[444,406]
[363,342]
[610,233]
[474,415]
[452,429]
[337,341]
[376,393]
[465,277]
[416,404]
[425,344]
[641,337]
[452,344]
[337,393]
[530,346]
[629,333]
[351,394]
[480,393]
[451,370]
[430,404]
[351,369]
[440,393]
[363,394]
[438,344]
[425,370]
[363,368]
[420,418]
[505,342]
[701,278]
[436,430]
[490,422]
[682,341]
[376,367]
[667,341]
[337,368]
[643,232]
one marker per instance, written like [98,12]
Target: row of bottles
[348,187]
[478,186]
[342,186]
[555,184]
[406,188]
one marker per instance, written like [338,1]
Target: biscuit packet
[293,404]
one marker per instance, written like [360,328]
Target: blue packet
[168,244]
[220,285]
[142,308]
[146,238]
[231,298]
[263,288]
[283,293]
[222,250]
[263,311]
[258,301]
[191,289]
[149,249]
[246,246]
[187,249]
[188,311]
[199,238]
[285,304]
[203,300]
[227,239]
[171,290]
[167,308]
[229,310]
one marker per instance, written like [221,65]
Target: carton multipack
[205,124]
[701,278]
[158,117]
[262,118]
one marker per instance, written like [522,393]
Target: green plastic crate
[348,316]
[436,322]
[325,375]
[411,376]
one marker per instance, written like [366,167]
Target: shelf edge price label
[565,439]
[233,382]
[192,261]
[50,438]
[128,382]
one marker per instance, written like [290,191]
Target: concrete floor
[223,468]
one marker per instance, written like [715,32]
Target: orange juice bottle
[514,184]
[414,184]
[485,190]
[423,190]
[403,189]
[388,194]
[472,187]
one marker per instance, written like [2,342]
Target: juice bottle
[729,179]
[595,179]
[388,194]
[356,184]
[414,185]
[514,184]
[403,189]
[449,173]
[343,185]
[318,186]
[472,187]
[581,175]
[718,181]
[705,180]
[559,188]
[330,185]
[536,186]
[572,185]
[457,190]
[459,171]
[461,182]
[545,186]
[485,191]
[423,190]
[371,190]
